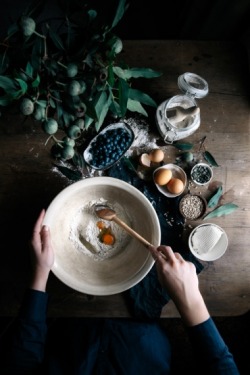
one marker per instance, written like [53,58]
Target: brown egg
[162,176]
[175,186]
[156,155]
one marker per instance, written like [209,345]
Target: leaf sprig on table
[216,209]
[67,75]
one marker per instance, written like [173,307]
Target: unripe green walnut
[39,113]
[26,107]
[27,25]
[50,126]
[68,141]
[72,70]
[67,152]
[80,123]
[74,132]
[118,46]
[74,88]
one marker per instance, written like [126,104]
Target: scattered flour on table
[84,232]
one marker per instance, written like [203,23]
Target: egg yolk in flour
[105,234]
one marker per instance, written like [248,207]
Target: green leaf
[69,173]
[78,160]
[23,85]
[183,146]
[29,70]
[87,121]
[12,30]
[4,62]
[103,113]
[111,77]
[42,103]
[141,97]
[210,159]
[123,96]
[99,102]
[115,108]
[213,201]
[135,73]
[36,82]
[135,106]
[225,209]
[119,13]
[7,84]
[56,39]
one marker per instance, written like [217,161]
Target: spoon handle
[131,231]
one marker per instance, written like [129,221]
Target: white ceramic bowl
[177,172]
[76,263]
[208,242]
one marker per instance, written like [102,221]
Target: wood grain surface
[28,181]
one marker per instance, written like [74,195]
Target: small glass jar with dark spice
[201,174]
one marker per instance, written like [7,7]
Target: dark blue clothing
[104,346]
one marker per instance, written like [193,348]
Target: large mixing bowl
[82,261]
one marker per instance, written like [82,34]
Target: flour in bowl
[84,231]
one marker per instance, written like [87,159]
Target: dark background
[158,19]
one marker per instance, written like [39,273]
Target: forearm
[39,280]
[193,311]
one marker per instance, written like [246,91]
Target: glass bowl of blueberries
[108,147]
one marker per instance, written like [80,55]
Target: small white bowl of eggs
[170,180]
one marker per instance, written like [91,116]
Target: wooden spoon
[106,213]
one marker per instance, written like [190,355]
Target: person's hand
[42,255]
[180,280]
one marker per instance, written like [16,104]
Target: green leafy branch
[67,76]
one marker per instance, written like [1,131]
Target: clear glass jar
[193,87]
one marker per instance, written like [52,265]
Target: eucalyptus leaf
[78,160]
[23,85]
[119,13]
[7,84]
[14,28]
[36,82]
[69,173]
[103,113]
[123,96]
[99,102]
[183,146]
[135,73]
[135,106]
[29,70]
[225,209]
[4,62]
[88,121]
[213,201]
[42,103]
[56,40]
[111,77]
[210,159]
[141,97]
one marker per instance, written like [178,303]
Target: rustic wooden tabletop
[28,181]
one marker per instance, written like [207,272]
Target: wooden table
[28,181]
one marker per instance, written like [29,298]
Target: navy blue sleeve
[27,351]
[213,354]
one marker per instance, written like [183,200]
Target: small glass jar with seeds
[192,206]
[201,174]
